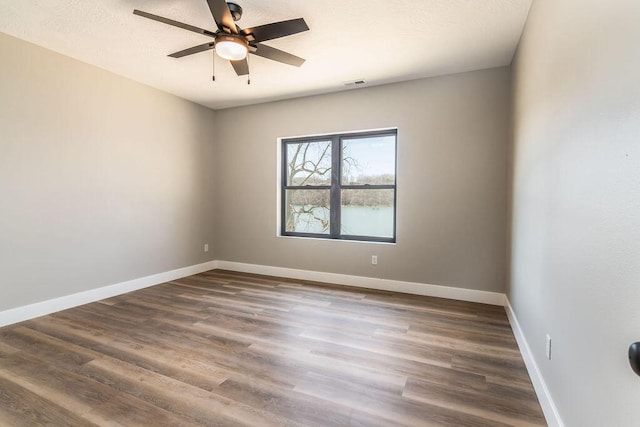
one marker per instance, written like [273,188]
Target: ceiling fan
[233,43]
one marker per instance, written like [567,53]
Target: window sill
[322,239]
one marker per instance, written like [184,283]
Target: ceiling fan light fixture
[231,47]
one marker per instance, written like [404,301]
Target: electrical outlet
[548,347]
[374,259]
[206,247]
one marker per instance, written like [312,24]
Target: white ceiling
[380,41]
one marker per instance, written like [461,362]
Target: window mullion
[335,188]
[283,189]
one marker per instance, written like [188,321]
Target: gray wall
[576,203]
[101,179]
[452,176]
[105,180]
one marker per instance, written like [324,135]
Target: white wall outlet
[206,247]
[548,347]
[374,259]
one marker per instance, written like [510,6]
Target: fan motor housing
[236,11]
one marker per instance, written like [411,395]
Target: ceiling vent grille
[359,82]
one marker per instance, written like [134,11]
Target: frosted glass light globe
[231,47]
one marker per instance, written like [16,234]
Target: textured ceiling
[380,41]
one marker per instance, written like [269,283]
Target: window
[340,186]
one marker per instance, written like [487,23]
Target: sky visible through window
[373,156]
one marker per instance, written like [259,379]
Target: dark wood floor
[227,349]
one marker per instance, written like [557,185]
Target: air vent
[358,82]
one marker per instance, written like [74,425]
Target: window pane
[309,163]
[307,211]
[369,160]
[367,212]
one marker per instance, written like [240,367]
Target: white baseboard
[19,314]
[544,396]
[471,295]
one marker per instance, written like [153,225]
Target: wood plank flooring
[229,349]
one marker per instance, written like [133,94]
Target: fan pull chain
[248,72]
[213,65]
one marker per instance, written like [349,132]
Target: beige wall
[576,203]
[452,160]
[101,179]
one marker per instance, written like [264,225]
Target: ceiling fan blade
[241,67]
[192,50]
[174,23]
[222,15]
[275,30]
[277,55]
